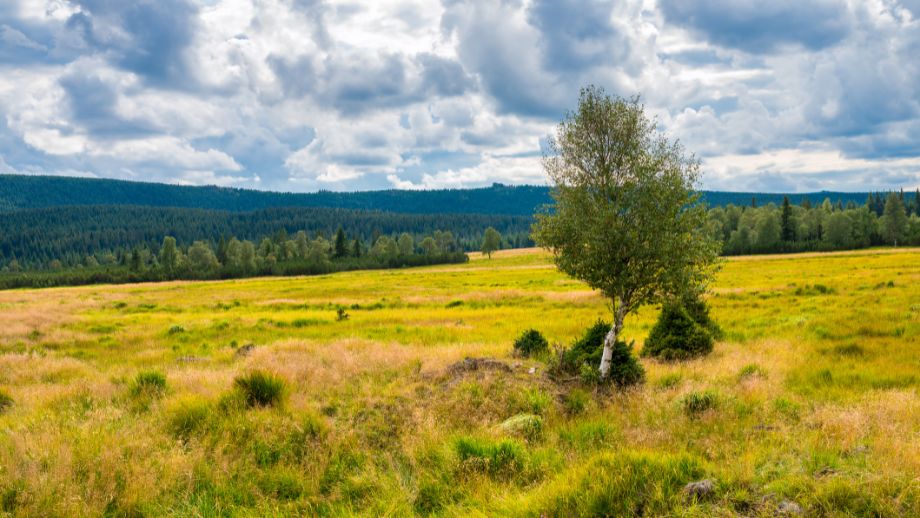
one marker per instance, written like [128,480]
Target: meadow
[122,400]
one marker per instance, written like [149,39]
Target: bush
[677,336]
[149,383]
[699,311]
[530,343]
[584,358]
[260,388]
[176,329]
[5,401]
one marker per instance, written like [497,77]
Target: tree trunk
[610,340]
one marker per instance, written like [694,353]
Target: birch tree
[625,218]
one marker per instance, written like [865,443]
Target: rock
[700,489]
[525,425]
[789,508]
[245,350]
[191,359]
[475,364]
[532,370]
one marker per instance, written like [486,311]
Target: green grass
[812,396]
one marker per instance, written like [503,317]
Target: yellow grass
[373,414]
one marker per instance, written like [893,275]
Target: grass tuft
[260,388]
[696,403]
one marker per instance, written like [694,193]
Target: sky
[302,95]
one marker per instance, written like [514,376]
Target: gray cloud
[761,27]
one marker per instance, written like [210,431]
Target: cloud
[147,37]
[762,27]
[315,94]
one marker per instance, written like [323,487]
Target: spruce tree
[895,222]
[788,224]
[341,247]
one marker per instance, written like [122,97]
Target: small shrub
[149,383]
[695,403]
[585,356]
[699,311]
[176,329]
[5,401]
[530,343]
[341,314]
[677,336]
[454,304]
[260,388]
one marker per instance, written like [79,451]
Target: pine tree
[895,222]
[341,246]
[788,224]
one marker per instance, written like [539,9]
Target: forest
[71,235]
[233,258]
[30,192]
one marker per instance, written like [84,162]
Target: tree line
[279,254]
[40,239]
[18,192]
[891,219]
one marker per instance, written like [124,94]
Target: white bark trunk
[611,339]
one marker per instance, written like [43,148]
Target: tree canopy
[625,218]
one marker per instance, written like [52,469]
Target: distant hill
[30,192]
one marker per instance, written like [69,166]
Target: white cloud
[308,94]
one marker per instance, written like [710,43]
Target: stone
[789,508]
[700,489]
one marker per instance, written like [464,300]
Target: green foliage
[677,336]
[576,401]
[149,383]
[502,459]
[260,388]
[619,484]
[175,330]
[530,343]
[6,401]
[585,354]
[491,241]
[616,183]
[696,403]
[188,417]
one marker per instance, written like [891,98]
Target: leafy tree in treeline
[491,241]
[274,256]
[828,226]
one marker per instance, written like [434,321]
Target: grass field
[812,396]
